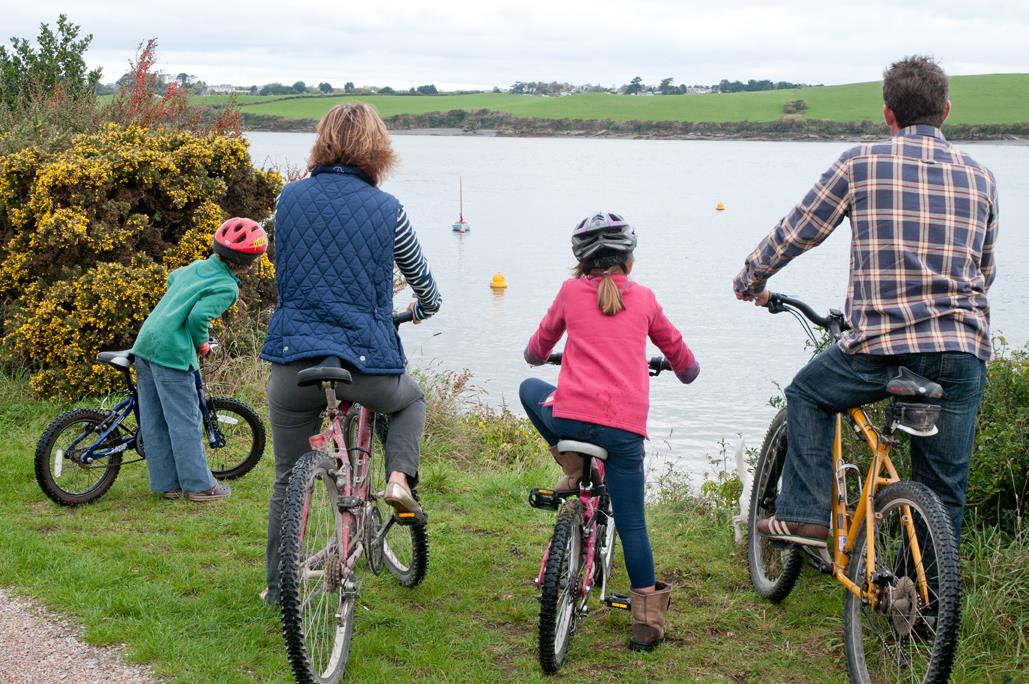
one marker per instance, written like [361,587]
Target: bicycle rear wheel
[317,601]
[244,435]
[562,578]
[60,472]
[905,638]
[405,548]
[774,567]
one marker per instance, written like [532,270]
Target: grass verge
[177,582]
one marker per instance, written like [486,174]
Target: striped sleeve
[412,265]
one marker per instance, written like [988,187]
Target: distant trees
[540,88]
[726,86]
[666,87]
[299,87]
[386,90]
[426,90]
[635,86]
[325,88]
[348,87]
[26,71]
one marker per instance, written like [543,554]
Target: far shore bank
[486,123]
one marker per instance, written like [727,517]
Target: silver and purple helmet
[603,235]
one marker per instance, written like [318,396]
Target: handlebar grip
[403,317]
[555,358]
[659,363]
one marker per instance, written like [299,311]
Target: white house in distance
[223,89]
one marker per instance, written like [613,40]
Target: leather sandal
[400,498]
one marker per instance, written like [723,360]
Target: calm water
[522,198]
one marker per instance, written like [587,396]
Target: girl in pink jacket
[603,391]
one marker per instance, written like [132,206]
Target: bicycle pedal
[407,518]
[544,499]
[619,601]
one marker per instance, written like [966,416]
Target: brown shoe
[571,466]
[648,617]
[808,534]
[399,497]
[219,491]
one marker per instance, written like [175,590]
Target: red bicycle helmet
[240,240]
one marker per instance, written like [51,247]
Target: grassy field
[994,98]
[177,583]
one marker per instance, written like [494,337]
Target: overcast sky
[459,44]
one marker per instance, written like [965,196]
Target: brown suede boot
[648,617]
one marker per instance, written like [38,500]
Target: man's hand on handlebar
[760,299]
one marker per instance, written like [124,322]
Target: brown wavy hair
[355,135]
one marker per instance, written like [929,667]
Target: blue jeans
[834,381]
[169,416]
[623,474]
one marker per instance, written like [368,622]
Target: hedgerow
[89,234]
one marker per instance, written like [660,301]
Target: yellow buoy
[719,207]
[498,282]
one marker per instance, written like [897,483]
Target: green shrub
[88,235]
[999,477]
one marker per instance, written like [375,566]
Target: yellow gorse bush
[89,234]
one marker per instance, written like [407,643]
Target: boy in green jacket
[167,352]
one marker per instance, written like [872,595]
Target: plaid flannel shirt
[924,222]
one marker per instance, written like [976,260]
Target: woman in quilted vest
[337,237]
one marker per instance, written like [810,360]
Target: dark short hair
[916,88]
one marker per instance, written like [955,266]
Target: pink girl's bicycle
[335,515]
[578,558]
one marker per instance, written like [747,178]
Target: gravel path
[39,646]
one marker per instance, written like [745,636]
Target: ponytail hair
[609,298]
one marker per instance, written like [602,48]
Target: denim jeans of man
[834,381]
[623,474]
[169,415]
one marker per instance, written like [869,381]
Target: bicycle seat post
[330,396]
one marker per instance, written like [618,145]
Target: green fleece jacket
[196,295]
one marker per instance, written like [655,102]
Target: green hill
[982,99]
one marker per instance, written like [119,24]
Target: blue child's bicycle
[80,453]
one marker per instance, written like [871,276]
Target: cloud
[461,43]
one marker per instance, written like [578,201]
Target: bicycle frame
[352,469]
[880,472]
[590,499]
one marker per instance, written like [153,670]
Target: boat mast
[460,200]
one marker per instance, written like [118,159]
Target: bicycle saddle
[566,445]
[330,369]
[120,359]
[908,384]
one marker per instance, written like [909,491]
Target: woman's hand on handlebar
[760,299]
[414,319]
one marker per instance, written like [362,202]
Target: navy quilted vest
[334,234]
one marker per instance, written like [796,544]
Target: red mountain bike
[334,516]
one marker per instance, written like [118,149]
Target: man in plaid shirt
[924,222]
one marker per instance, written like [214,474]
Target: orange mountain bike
[893,548]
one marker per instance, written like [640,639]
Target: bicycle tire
[59,486]
[774,569]
[562,578]
[405,548]
[317,650]
[244,435]
[906,628]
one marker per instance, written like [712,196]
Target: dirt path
[39,646]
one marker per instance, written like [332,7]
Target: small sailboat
[461,226]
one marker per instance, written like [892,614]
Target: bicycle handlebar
[834,322]
[656,363]
[403,317]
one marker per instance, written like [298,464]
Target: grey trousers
[295,415]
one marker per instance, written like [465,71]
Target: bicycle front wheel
[317,601]
[244,436]
[60,470]
[404,550]
[562,580]
[774,567]
[911,634]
